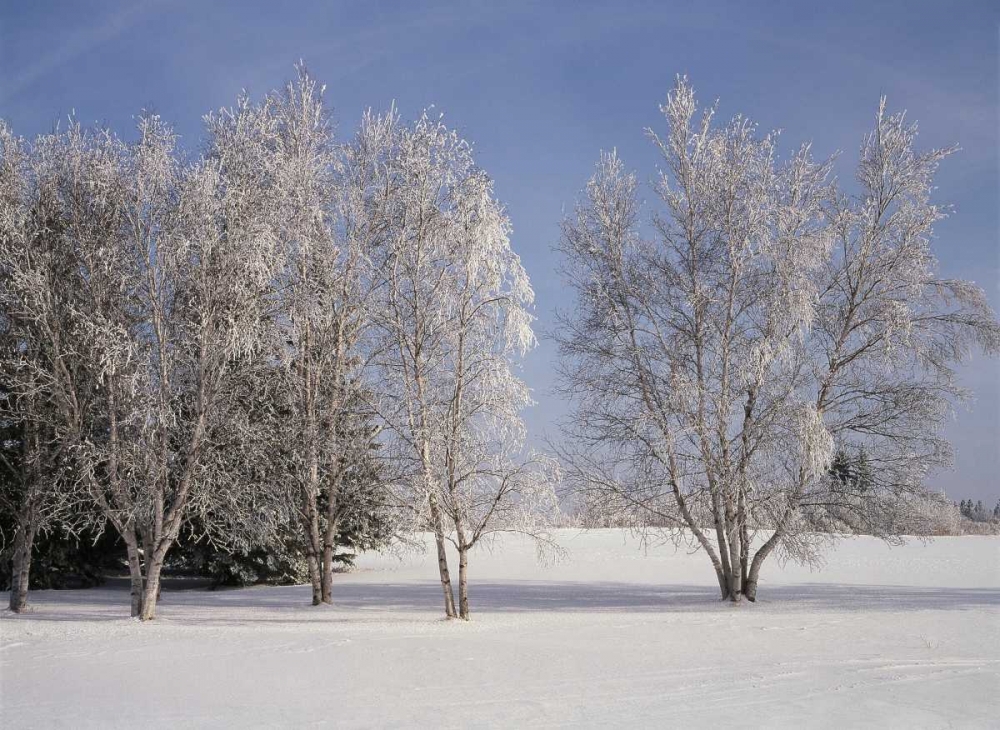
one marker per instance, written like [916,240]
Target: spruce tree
[864,480]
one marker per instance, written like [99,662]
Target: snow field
[610,636]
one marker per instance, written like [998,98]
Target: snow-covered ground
[881,637]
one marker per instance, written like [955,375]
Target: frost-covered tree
[194,328]
[453,318]
[486,487]
[20,493]
[29,467]
[207,270]
[323,297]
[33,473]
[62,300]
[144,277]
[721,354]
[37,303]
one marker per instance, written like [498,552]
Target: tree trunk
[21,567]
[135,577]
[315,579]
[27,526]
[463,583]
[329,547]
[313,548]
[744,540]
[720,536]
[154,565]
[758,560]
[699,535]
[724,574]
[326,580]
[750,590]
[723,582]
[148,550]
[733,536]
[735,574]
[449,594]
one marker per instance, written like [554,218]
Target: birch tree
[424,163]
[37,301]
[722,352]
[19,483]
[487,489]
[147,284]
[29,466]
[205,289]
[326,292]
[453,317]
[33,470]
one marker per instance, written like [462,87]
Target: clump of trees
[282,340]
[973,518]
[286,345]
[976,512]
[768,356]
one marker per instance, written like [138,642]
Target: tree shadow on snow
[546,596]
[358,601]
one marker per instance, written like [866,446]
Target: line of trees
[288,338]
[767,358]
[249,339]
[976,512]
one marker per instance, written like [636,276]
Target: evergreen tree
[364,522]
[864,480]
[840,469]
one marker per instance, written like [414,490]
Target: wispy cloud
[79,44]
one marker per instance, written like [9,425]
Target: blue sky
[541,88]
